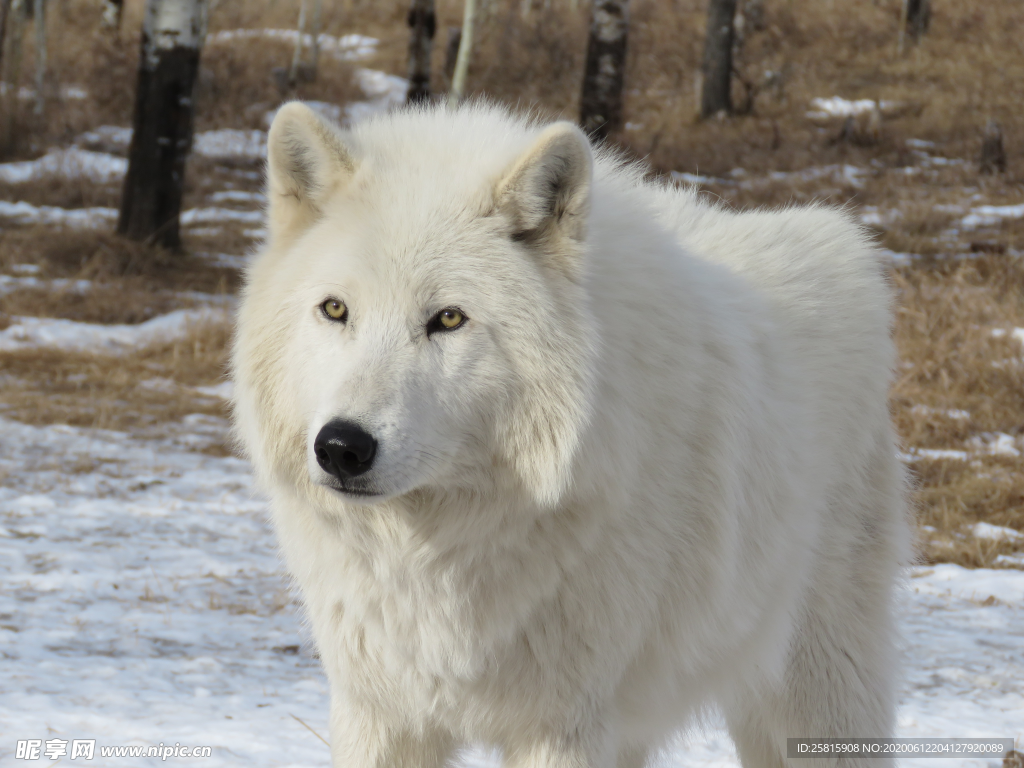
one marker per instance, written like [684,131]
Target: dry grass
[129,392]
[960,384]
[969,69]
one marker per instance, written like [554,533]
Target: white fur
[653,472]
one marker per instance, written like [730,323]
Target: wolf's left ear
[306,161]
[546,193]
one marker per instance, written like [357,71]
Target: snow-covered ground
[142,601]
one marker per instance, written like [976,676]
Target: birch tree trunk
[422,23]
[717,82]
[465,50]
[605,72]
[172,37]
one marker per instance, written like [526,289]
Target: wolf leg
[361,739]
[564,751]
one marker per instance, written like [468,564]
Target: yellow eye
[335,309]
[450,318]
[446,320]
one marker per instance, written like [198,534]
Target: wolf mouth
[350,491]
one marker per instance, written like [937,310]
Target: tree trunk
[451,54]
[12,76]
[172,37]
[422,22]
[919,13]
[993,156]
[5,8]
[40,22]
[465,50]
[605,72]
[716,96]
[314,62]
[300,32]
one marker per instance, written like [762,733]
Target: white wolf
[560,457]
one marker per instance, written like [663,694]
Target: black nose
[344,449]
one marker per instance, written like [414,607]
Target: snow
[345,48]
[113,135]
[207,215]
[71,163]
[1016,333]
[9,283]
[995,444]
[934,454]
[26,213]
[383,91]
[55,333]
[952,413]
[230,143]
[987,215]
[237,196]
[139,584]
[996,532]
[836,106]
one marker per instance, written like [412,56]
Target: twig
[311,730]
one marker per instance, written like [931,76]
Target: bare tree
[914,22]
[993,156]
[421,42]
[465,51]
[604,74]
[716,88]
[314,63]
[39,9]
[12,75]
[5,8]
[172,38]
[300,33]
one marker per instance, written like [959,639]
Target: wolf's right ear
[306,161]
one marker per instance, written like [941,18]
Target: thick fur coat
[630,455]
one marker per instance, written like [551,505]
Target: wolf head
[417,319]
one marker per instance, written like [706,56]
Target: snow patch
[71,163]
[55,333]
[213,215]
[26,213]
[987,215]
[230,143]
[995,532]
[345,48]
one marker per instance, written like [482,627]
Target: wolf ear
[306,161]
[546,193]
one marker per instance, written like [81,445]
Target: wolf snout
[344,449]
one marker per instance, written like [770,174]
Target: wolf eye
[446,320]
[335,309]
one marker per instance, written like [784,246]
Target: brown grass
[952,362]
[128,392]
